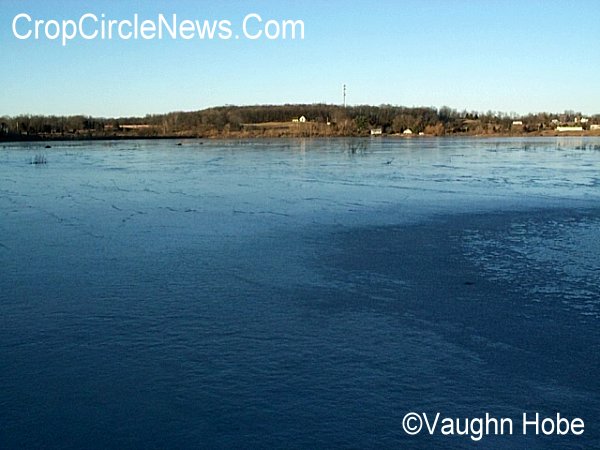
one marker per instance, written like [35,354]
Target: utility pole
[344,95]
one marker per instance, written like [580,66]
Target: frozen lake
[296,293]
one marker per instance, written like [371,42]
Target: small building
[408,131]
[595,127]
[584,120]
[568,129]
[302,119]
[555,121]
[376,131]
[135,127]
[517,123]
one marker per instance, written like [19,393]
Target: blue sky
[501,55]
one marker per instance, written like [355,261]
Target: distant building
[595,127]
[408,131]
[302,119]
[567,129]
[135,127]
[376,132]
[517,123]
[555,121]
[584,120]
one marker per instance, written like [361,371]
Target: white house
[517,123]
[408,131]
[567,129]
[595,127]
[376,132]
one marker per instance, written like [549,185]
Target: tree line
[324,119]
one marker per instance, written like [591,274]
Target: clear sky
[502,55]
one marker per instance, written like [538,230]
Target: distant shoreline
[298,121]
[99,138]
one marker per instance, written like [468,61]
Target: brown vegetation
[283,121]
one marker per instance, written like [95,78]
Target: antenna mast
[344,95]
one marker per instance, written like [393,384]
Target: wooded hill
[287,120]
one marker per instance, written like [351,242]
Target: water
[296,293]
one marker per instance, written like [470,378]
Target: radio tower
[344,95]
